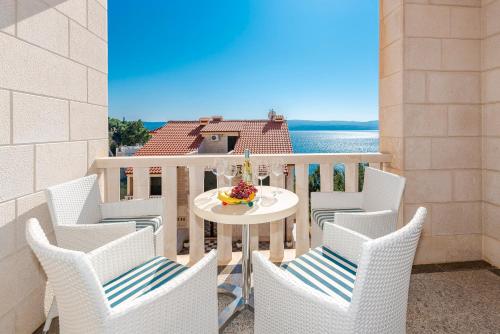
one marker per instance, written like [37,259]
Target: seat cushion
[140,222]
[320,216]
[326,271]
[141,280]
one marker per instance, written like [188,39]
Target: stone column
[430,119]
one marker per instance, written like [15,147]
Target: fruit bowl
[242,193]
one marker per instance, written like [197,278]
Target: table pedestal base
[237,305]
[243,295]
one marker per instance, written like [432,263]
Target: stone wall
[491,130]
[430,114]
[53,123]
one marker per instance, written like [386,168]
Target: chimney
[204,120]
[279,118]
[217,118]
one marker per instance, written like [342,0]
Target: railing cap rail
[206,159]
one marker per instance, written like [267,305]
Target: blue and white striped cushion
[320,216]
[140,222]
[325,271]
[141,280]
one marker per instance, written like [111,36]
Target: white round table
[271,204]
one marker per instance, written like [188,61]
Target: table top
[275,204]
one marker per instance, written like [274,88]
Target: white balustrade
[298,167]
[169,191]
[196,228]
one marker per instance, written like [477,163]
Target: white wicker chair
[82,222]
[284,303]
[121,287]
[372,212]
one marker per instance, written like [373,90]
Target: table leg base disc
[230,311]
[236,306]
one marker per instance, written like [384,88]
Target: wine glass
[277,170]
[262,172]
[230,172]
[218,169]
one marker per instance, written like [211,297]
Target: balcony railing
[109,170]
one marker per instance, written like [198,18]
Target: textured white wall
[53,123]
[491,130]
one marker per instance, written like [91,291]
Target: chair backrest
[382,190]
[380,294]
[75,202]
[80,297]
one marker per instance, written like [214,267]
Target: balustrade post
[277,228]
[224,239]
[375,165]
[326,177]
[351,177]
[141,182]
[196,228]
[112,184]
[169,194]
[302,215]
[254,228]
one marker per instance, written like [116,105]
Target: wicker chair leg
[50,316]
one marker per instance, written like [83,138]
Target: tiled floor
[446,298]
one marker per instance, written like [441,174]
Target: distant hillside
[331,125]
[305,125]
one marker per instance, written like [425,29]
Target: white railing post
[112,184]
[141,182]
[277,228]
[375,165]
[351,177]
[169,194]
[302,215]
[326,177]
[196,230]
[224,241]
[254,228]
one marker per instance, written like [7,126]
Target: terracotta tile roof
[224,126]
[174,138]
[264,137]
[183,137]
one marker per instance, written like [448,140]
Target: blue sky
[182,59]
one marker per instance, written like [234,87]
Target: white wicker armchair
[372,212]
[123,288]
[82,222]
[311,299]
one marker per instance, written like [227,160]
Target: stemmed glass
[262,172]
[218,168]
[230,172]
[277,170]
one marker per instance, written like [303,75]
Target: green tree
[338,180]
[122,132]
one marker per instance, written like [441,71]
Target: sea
[325,141]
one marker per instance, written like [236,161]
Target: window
[155,186]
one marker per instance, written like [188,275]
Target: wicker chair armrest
[87,237]
[187,304]
[336,200]
[132,208]
[283,302]
[344,241]
[372,224]
[123,254]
